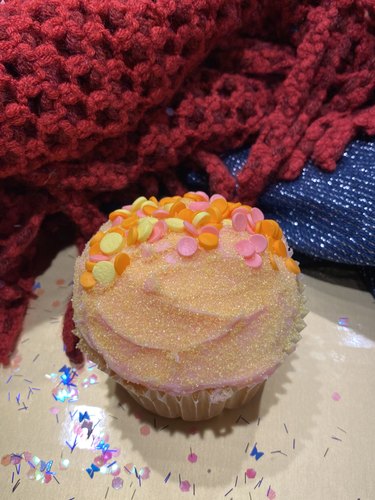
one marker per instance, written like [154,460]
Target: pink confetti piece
[217,196]
[250,473]
[117,483]
[203,195]
[199,205]
[185,486]
[187,246]
[117,221]
[257,215]
[192,457]
[98,258]
[190,228]
[145,430]
[160,214]
[170,258]
[145,473]
[271,494]
[158,231]
[336,396]
[255,261]
[54,410]
[209,229]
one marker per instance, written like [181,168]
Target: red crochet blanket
[102,100]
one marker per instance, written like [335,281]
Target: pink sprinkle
[144,430]
[239,222]
[199,205]
[127,207]
[54,410]
[256,215]
[170,258]
[117,483]
[192,457]
[240,210]
[209,229]
[28,456]
[259,241]
[187,246]
[203,194]
[216,197]
[160,214]
[184,486]
[107,456]
[162,245]
[250,473]
[336,396]
[116,472]
[271,494]
[140,213]
[47,478]
[250,222]
[99,461]
[190,228]
[98,257]
[117,221]
[158,231]
[245,248]
[129,468]
[255,261]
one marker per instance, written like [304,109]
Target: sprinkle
[227,493]
[342,430]
[160,214]
[64,463]
[294,444]
[87,280]
[286,429]
[259,483]
[279,451]
[208,241]
[201,218]
[144,230]
[326,452]
[9,379]
[255,261]
[158,231]
[239,221]
[344,321]
[210,229]
[336,396]
[292,265]
[16,485]
[121,262]
[255,453]
[104,272]
[174,224]
[245,248]
[190,228]
[336,438]
[138,203]
[259,241]
[187,246]
[256,215]
[199,206]
[111,243]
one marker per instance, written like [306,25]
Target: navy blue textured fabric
[329,216]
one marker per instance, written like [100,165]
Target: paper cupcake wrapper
[200,405]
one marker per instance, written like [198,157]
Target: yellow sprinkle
[175,224]
[149,204]
[144,229]
[153,220]
[168,206]
[138,203]
[201,218]
[226,222]
[104,272]
[96,238]
[292,266]
[132,236]
[111,243]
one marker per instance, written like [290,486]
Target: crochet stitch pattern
[111,99]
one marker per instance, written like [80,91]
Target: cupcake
[189,302]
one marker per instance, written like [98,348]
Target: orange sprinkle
[95,249]
[279,248]
[271,241]
[193,196]
[116,229]
[268,227]
[89,265]
[118,212]
[132,236]
[176,208]
[155,200]
[221,204]
[165,200]
[96,238]
[279,233]
[175,198]
[208,240]
[149,209]
[186,214]
[87,280]
[292,266]
[122,260]
[216,214]
[130,222]
[232,206]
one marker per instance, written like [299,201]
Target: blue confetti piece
[83,416]
[255,453]
[91,470]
